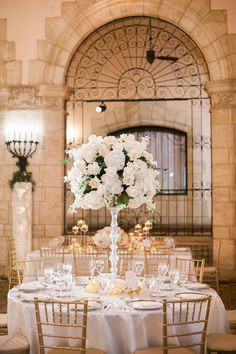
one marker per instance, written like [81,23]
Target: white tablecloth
[114,331]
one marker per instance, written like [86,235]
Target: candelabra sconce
[22,150]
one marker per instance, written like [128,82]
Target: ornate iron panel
[112,64]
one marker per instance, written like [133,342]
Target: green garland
[20,176]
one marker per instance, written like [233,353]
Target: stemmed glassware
[158,282]
[148,283]
[138,267]
[174,275]
[92,267]
[162,269]
[99,265]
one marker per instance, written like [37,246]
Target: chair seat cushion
[221,342]
[3,320]
[13,344]
[231,316]
[67,351]
[159,350]
[210,269]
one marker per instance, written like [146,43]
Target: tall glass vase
[113,235]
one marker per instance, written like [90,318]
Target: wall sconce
[101,107]
[22,149]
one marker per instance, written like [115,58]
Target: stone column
[22,218]
[223,99]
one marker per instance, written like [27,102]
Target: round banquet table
[116,330]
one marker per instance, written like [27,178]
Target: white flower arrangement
[102,237]
[111,171]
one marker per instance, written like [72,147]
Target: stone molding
[222,93]
[33,97]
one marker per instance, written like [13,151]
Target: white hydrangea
[112,171]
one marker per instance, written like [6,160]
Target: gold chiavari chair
[14,344]
[3,303]
[12,271]
[231,316]
[184,327]
[192,268]
[62,327]
[81,260]
[124,257]
[51,255]
[221,343]
[211,273]
[27,271]
[152,261]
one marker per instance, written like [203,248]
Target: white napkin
[132,280]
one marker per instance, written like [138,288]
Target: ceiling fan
[151,54]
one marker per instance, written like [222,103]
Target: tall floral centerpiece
[114,173]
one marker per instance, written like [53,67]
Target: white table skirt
[115,332]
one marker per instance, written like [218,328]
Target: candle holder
[22,150]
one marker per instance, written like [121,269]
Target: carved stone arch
[64,34]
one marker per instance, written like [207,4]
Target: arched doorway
[113,65]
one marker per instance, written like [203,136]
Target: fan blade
[167,57]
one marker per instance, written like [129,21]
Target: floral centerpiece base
[110,171]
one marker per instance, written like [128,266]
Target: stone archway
[209,30]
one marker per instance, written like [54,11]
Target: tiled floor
[227,293]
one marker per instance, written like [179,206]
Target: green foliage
[20,176]
[122,200]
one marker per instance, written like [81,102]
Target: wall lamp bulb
[101,107]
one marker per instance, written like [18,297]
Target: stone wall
[45,93]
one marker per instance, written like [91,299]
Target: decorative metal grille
[111,65]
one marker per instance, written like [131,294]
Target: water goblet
[92,267]
[162,269]
[174,278]
[148,282]
[99,264]
[103,284]
[139,266]
[158,282]
[131,265]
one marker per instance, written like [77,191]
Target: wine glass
[162,269]
[174,278]
[148,281]
[92,267]
[139,266]
[158,283]
[131,265]
[99,264]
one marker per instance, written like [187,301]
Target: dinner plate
[31,287]
[197,286]
[146,305]
[190,296]
[92,305]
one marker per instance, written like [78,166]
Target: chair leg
[217,283]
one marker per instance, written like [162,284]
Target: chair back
[52,255]
[185,323]
[81,261]
[124,258]
[12,270]
[152,261]
[27,271]
[193,268]
[61,326]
